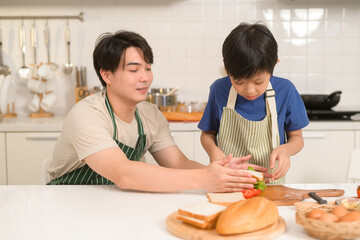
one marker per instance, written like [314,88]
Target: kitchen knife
[317,198]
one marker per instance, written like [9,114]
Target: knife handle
[317,198]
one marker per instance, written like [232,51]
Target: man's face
[132,78]
[252,88]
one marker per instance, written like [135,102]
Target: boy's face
[132,78]
[252,88]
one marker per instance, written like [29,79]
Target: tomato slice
[248,193]
[358,191]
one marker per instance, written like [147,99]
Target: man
[105,135]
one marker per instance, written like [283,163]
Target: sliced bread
[225,199]
[197,222]
[206,211]
[258,175]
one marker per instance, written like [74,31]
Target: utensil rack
[80,17]
[41,112]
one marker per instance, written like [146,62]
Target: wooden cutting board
[286,196]
[186,231]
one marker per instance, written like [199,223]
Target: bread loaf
[247,216]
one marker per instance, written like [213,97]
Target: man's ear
[105,74]
[278,61]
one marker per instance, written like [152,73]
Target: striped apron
[242,137]
[86,176]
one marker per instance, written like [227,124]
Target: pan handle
[332,95]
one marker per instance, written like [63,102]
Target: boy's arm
[208,141]
[282,153]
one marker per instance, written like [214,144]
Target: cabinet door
[184,141]
[357,139]
[25,154]
[2,159]
[324,158]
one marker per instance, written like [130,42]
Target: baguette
[247,216]
[225,199]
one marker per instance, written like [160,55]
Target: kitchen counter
[106,212]
[27,124]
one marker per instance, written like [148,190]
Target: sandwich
[259,176]
[203,215]
[247,216]
[225,199]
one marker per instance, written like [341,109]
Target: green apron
[242,137]
[86,176]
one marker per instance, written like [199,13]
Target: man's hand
[219,178]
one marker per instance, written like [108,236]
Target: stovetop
[331,115]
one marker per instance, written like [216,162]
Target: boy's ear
[105,74]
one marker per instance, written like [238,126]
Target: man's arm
[114,165]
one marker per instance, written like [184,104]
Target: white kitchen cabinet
[324,158]
[2,160]
[25,154]
[357,139]
[189,143]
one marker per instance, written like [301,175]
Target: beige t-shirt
[88,129]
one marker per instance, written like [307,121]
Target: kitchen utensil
[186,231]
[158,97]
[52,65]
[317,198]
[183,116]
[171,92]
[24,72]
[4,94]
[34,46]
[4,70]
[321,102]
[286,196]
[68,66]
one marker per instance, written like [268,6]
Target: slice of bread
[197,222]
[206,211]
[258,175]
[225,199]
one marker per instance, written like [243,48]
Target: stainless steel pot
[158,96]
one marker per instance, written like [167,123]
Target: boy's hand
[279,154]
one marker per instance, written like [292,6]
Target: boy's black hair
[248,50]
[110,48]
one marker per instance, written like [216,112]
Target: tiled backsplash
[319,41]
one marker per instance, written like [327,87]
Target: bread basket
[325,230]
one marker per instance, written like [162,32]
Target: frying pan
[321,102]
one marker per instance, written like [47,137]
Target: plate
[4,93]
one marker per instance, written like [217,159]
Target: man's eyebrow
[133,63]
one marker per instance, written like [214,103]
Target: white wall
[319,41]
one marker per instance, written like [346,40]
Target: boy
[250,112]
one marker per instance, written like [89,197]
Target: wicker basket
[325,230]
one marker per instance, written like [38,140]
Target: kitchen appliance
[332,115]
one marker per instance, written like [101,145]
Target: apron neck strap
[111,112]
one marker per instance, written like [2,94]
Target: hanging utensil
[52,65]
[68,66]
[4,70]
[34,46]
[24,72]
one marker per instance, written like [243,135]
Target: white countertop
[106,212]
[54,124]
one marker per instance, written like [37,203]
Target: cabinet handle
[313,136]
[42,138]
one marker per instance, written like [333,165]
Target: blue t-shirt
[290,108]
